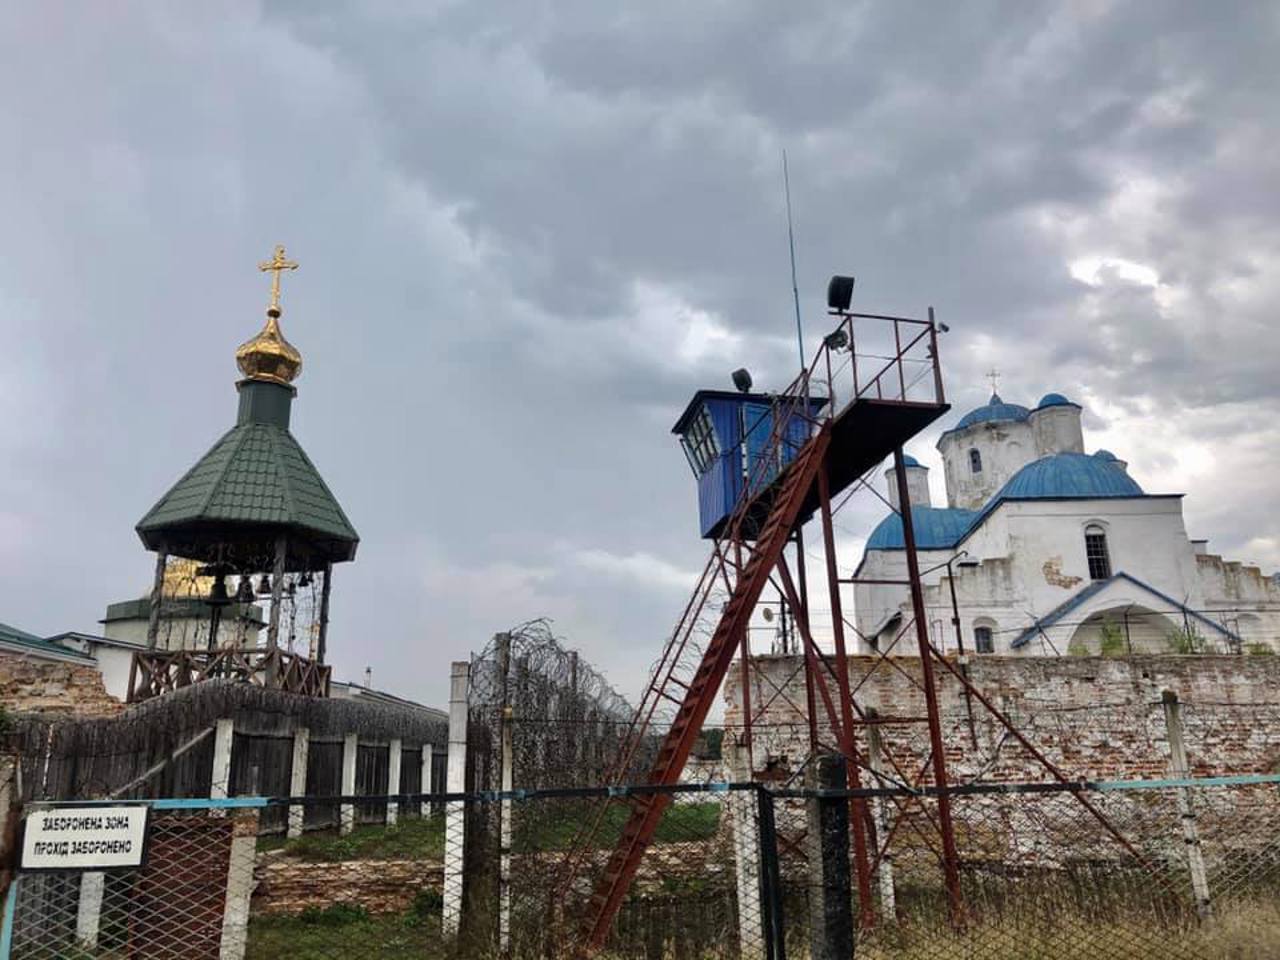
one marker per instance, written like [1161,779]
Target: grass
[1240,931]
[414,839]
[410,839]
[681,823]
[345,930]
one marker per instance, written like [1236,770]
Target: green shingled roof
[255,476]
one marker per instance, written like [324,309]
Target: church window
[983,642]
[1095,551]
[975,461]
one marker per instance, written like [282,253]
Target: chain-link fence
[1173,868]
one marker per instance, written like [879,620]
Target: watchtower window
[983,642]
[1095,551]
[975,461]
[699,443]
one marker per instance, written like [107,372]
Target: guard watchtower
[727,438]
[765,464]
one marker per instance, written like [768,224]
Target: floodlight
[742,380]
[839,293]
[837,339]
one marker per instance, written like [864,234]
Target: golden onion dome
[269,356]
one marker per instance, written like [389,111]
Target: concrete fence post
[235,915]
[298,780]
[743,811]
[426,786]
[347,814]
[508,783]
[1180,769]
[395,751]
[455,811]
[880,807]
[89,909]
[220,780]
[827,840]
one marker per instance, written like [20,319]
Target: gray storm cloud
[529,231]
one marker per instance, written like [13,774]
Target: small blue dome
[936,528]
[1105,455]
[1069,475]
[994,410]
[909,461]
[1054,400]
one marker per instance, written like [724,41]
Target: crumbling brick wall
[1097,718]
[29,685]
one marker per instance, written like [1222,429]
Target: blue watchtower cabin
[726,437]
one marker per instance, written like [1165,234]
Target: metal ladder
[700,692]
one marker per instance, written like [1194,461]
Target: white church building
[1044,549]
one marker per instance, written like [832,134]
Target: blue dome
[1069,475]
[936,528]
[909,461]
[1105,455]
[996,409]
[1054,400]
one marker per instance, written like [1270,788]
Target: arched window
[1095,551]
[975,461]
[983,641]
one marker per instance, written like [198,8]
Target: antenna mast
[791,241]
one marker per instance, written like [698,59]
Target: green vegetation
[346,930]
[1259,649]
[1112,641]
[1186,640]
[710,743]
[681,823]
[410,839]
[556,829]
[1241,930]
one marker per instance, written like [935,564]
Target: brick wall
[28,685]
[1095,717]
[289,886]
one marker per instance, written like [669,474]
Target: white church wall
[1057,430]
[1004,446]
[1031,558]
[114,664]
[917,486]
[1145,538]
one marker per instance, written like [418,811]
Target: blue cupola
[725,437]
[994,410]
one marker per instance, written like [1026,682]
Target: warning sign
[84,838]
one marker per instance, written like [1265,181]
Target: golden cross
[993,374]
[275,265]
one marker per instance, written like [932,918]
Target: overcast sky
[528,231]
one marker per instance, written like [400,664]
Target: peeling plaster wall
[1057,430]
[1005,446]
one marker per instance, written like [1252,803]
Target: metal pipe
[800,615]
[938,395]
[322,639]
[157,595]
[866,908]
[950,858]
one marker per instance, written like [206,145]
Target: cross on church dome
[269,356]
